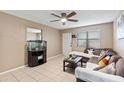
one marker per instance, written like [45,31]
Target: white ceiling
[85,17]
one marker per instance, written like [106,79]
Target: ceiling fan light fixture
[63,20]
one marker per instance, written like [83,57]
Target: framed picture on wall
[120,27]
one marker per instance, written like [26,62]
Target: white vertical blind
[94,39]
[82,43]
[94,35]
[82,35]
[81,39]
[90,39]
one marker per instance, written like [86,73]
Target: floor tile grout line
[39,73]
[14,77]
[50,71]
[54,67]
[46,75]
[23,73]
[30,76]
[56,74]
[42,73]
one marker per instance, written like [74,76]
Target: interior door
[67,43]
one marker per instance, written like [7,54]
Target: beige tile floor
[52,71]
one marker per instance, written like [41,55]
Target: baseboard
[26,65]
[54,57]
[12,69]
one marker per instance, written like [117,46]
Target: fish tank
[36,45]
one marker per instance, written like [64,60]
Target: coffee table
[72,62]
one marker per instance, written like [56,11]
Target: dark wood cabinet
[36,58]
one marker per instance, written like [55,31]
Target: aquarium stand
[36,58]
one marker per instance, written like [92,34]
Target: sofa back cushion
[114,58]
[90,51]
[93,60]
[86,50]
[103,54]
[120,67]
[97,51]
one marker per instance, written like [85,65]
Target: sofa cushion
[104,61]
[120,67]
[114,58]
[90,51]
[86,50]
[91,66]
[109,69]
[96,76]
[98,68]
[103,54]
[111,53]
[93,60]
[97,51]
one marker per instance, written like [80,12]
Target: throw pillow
[104,61]
[97,51]
[109,69]
[103,54]
[120,67]
[90,51]
[114,58]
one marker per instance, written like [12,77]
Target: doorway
[67,43]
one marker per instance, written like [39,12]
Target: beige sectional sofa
[90,73]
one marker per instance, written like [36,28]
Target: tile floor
[52,71]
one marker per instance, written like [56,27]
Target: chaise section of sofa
[88,75]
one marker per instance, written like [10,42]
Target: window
[89,39]
[82,39]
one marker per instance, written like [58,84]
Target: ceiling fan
[64,17]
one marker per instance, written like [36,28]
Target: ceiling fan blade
[54,20]
[71,14]
[56,15]
[73,20]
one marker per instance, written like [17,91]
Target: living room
[93,31]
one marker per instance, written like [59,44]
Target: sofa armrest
[96,76]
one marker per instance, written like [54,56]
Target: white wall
[31,36]
[118,44]
[106,34]
[13,40]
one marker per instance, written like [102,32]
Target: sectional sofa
[93,73]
